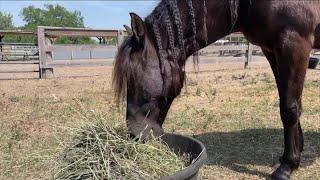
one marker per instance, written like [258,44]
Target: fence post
[120,37]
[44,56]
[1,42]
[1,47]
[249,55]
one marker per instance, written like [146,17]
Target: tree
[54,15]
[5,21]
[51,15]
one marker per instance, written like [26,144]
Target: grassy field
[233,111]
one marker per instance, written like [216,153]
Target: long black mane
[169,32]
[121,69]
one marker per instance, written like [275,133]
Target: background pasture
[233,110]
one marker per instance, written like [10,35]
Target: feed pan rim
[191,171]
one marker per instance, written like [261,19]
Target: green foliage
[20,39]
[5,21]
[114,41]
[74,40]
[50,15]
[57,16]
[243,40]
[6,24]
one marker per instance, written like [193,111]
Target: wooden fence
[46,49]
[18,51]
[233,46]
[18,54]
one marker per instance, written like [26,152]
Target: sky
[108,14]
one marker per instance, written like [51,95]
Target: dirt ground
[232,110]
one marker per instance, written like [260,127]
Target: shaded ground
[232,110]
[245,151]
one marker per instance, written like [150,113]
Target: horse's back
[304,17]
[304,14]
[269,18]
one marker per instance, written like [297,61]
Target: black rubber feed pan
[186,145]
[313,62]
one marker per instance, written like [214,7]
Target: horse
[149,69]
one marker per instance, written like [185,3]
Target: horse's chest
[259,39]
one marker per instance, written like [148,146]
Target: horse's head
[139,76]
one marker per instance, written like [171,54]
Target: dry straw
[102,150]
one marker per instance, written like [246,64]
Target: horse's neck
[212,22]
[221,22]
[194,25]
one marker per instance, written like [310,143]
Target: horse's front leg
[292,55]
[274,66]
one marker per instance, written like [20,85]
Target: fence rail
[217,48]
[20,62]
[79,63]
[84,32]
[17,44]
[56,48]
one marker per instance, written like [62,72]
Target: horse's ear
[128,29]
[138,27]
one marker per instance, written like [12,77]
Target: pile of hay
[103,150]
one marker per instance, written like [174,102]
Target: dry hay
[103,150]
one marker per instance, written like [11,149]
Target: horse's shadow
[256,147]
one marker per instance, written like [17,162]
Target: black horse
[149,69]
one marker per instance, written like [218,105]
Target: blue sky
[97,14]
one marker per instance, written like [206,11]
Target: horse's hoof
[282,173]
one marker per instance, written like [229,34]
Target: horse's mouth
[144,129]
